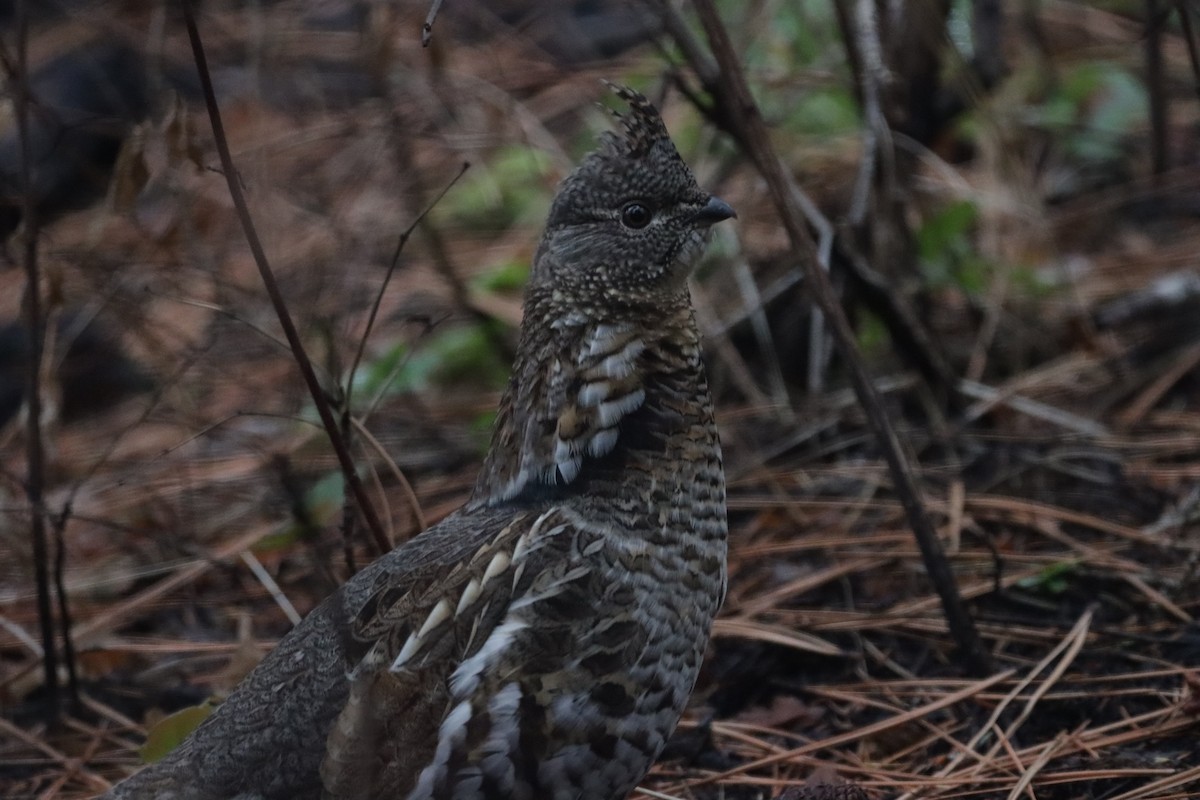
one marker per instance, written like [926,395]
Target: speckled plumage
[541,642]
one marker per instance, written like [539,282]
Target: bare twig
[888,723]
[387,278]
[908,334]
[34,484]
[427,28]
[264,577]
[732,94]
[410,495]
[875,189]
[64,606]
[762,332]
[1189,38]
[120,613]
[348,422]
[877,142]
[1155,86]
[320,400]
[707,71]
[17,734]
[438,251]
[989,397]
[987,40]
[1027,776]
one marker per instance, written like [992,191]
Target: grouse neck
[599,404]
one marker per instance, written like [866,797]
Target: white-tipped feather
[497,565]
[437,615]
[593,394]
[569,469]
[610,412]
[602,442]
[465,679]
[620,364]
[564,451]
[601,341]
[468,597]
[552,589]
[451,734]
[406,652]
[523,541]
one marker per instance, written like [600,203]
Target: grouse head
[628,224]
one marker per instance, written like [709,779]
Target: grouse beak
[714,211]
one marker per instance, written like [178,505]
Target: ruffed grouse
[541,642]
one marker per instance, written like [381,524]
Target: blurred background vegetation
[1008,195]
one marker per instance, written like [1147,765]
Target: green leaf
[947,229]
[1054,579]
[1097,106]
[481,429]
[510,276]
[824,112]
[512,187]
[872,334]
[374,374]
[325,497]
[170,731]
[453,354]
[946,248]
[322,501]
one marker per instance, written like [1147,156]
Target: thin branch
[732,94]
[277,594]
[987,40]
[858,20]
[315,389]
[1155,86]
[64,606]
[427,28]
[1189,37]
[438,250]
[387,278]
[413,501]
[35,482]
[863,38]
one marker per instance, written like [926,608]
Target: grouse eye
[635,215]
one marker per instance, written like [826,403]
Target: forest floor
[198,509]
